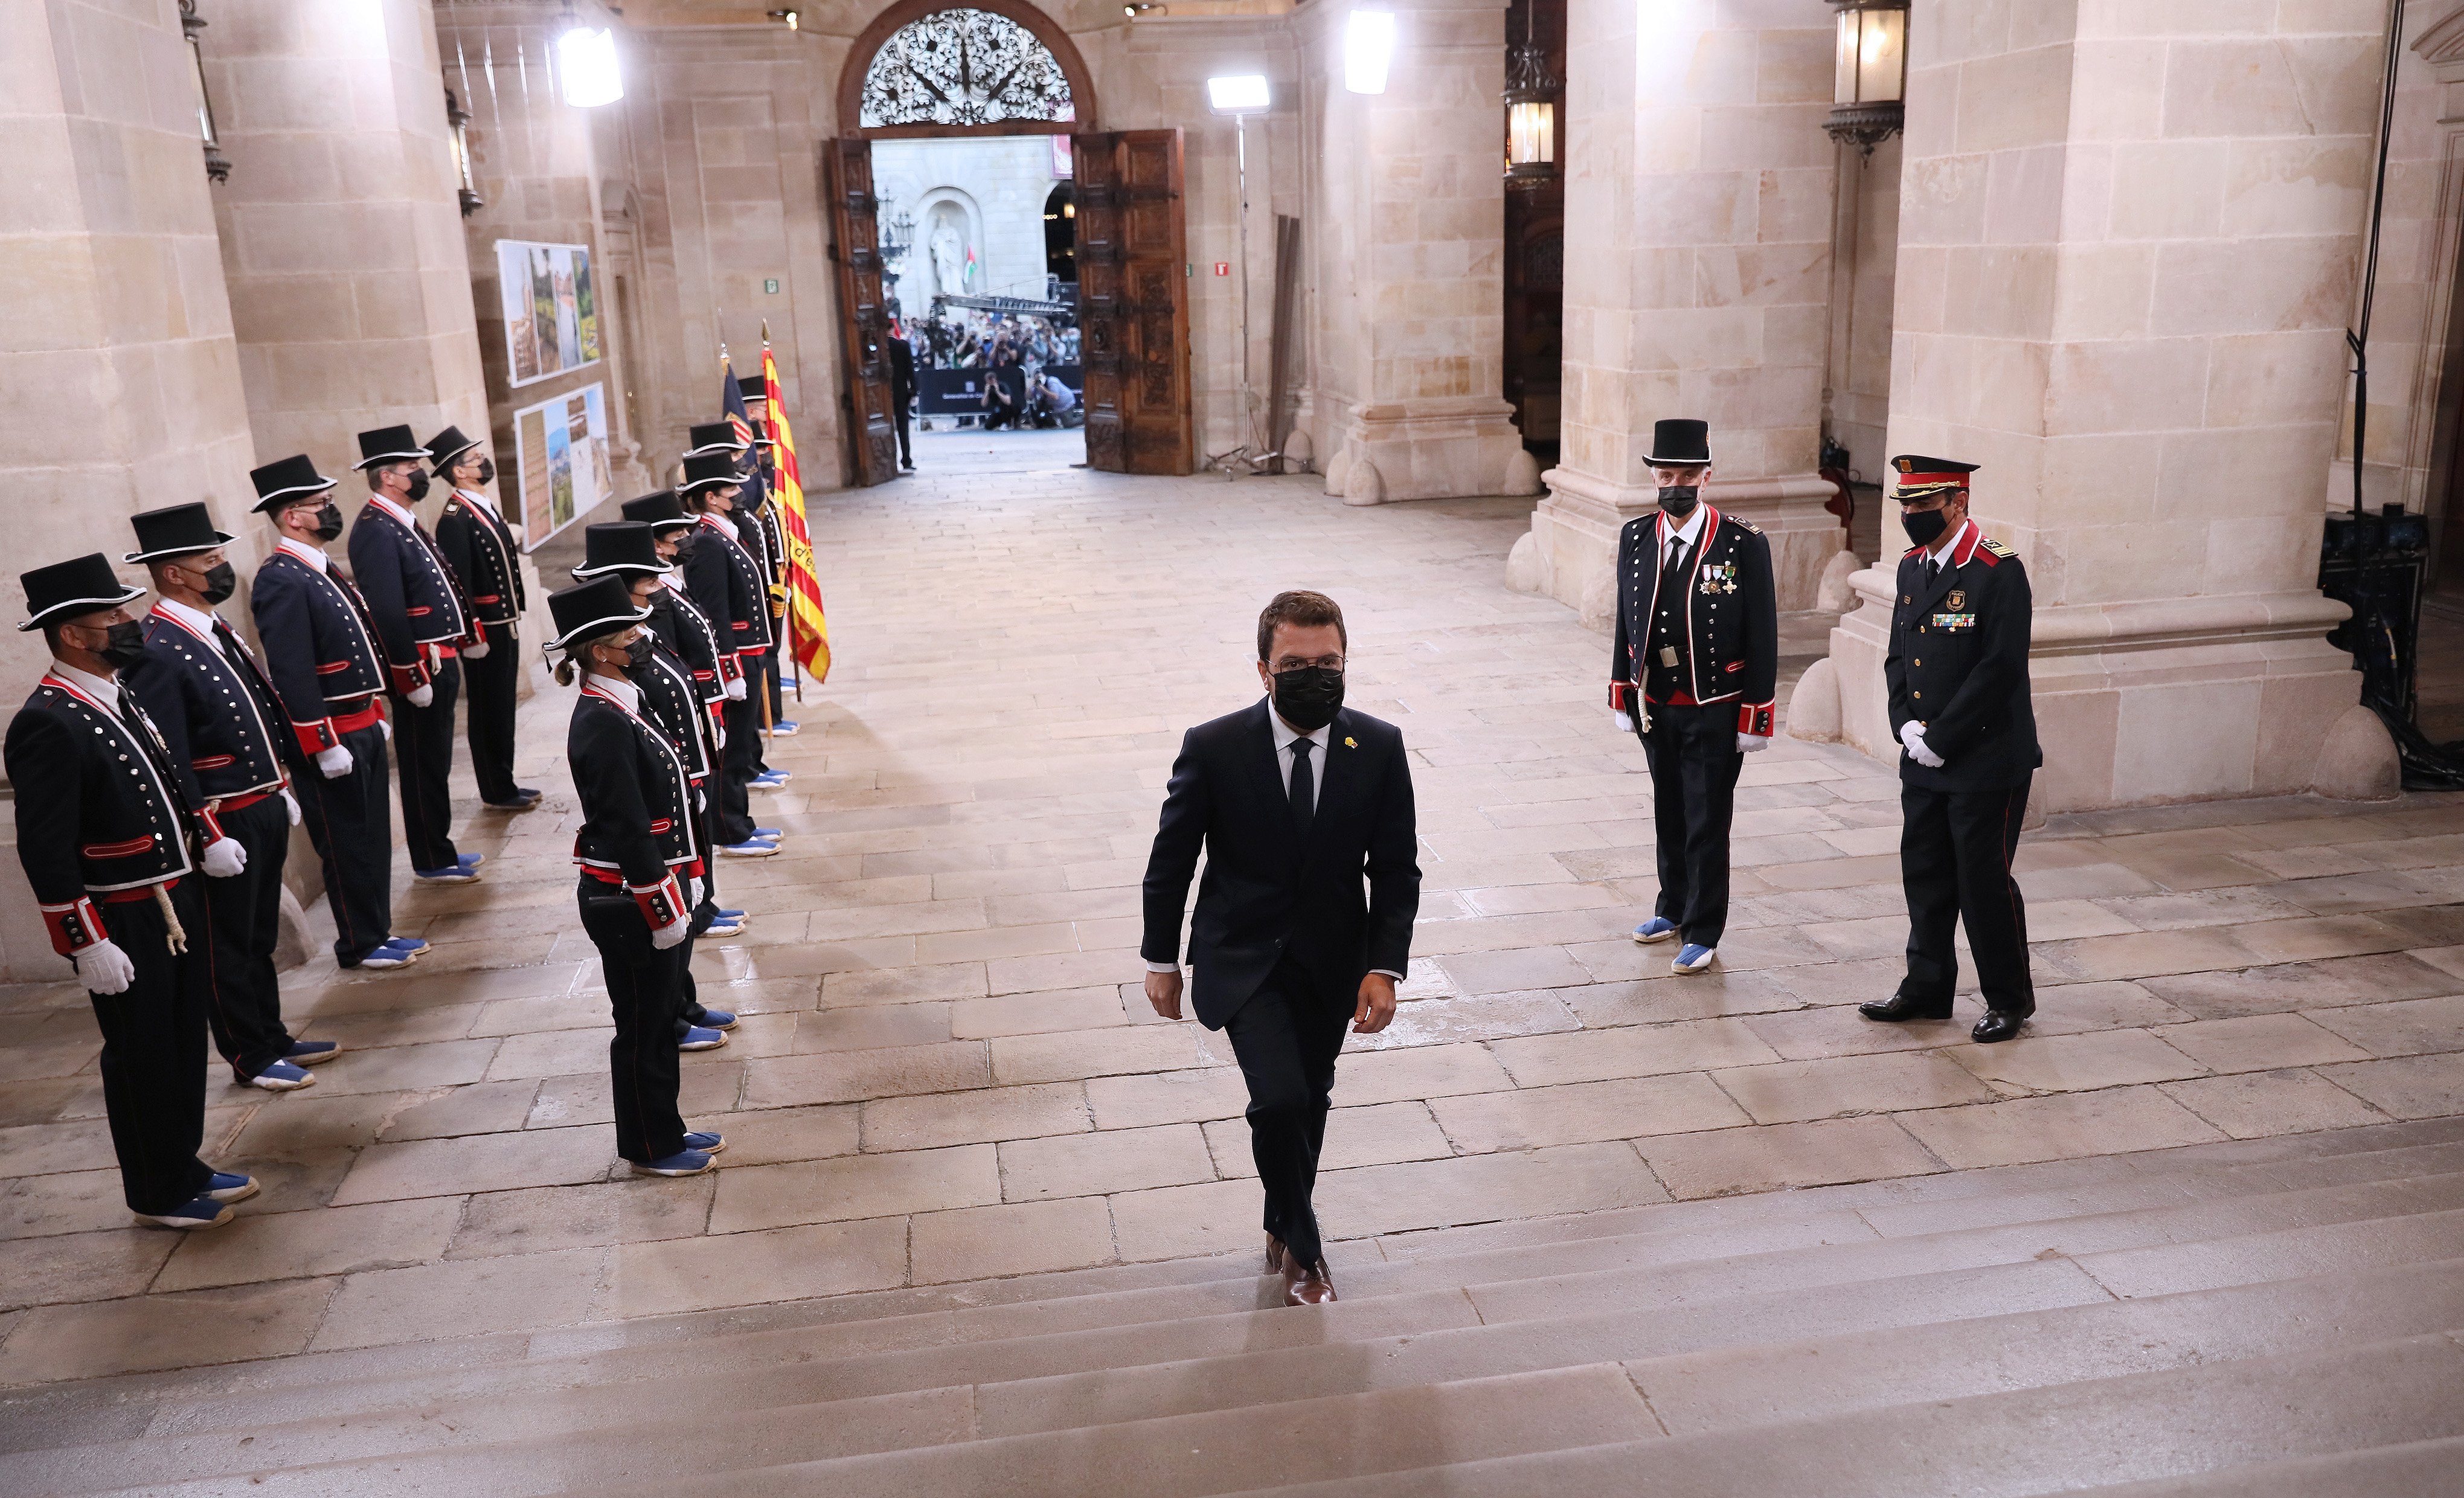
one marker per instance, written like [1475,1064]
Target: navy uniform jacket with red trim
[638,822]
[479,549]
[726,586]
[1731,618]
[320,647]
[670,701]
[413,598]
[1958,664]
[99,810]
[762,542]
[682,627]
[226,730]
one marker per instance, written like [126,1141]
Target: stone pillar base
[2146,702]
[1450,449]
[1571,550]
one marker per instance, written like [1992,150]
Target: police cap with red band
[1923,477]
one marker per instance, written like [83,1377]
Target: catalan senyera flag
[808,634]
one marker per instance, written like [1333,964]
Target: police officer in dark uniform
[1694,673]
[322,654]
[727,587]
[228,743]
[486,560]
[111,848]
[639,857]
[1958,673]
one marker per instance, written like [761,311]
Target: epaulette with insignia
[1997,548]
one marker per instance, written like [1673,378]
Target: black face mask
[1925,527]
[487,470]
[418,487]
[329,522]
[1309,698]
[637,653]
[125,646]
[221,583]
[1678,501]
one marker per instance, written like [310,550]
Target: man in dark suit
[902,392]
[1957,669]
[1295,800]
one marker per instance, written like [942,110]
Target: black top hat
[447,446]
[753,386]
[709,471]
[174,531]
[587,611]
[659,511]
[713,436]
[79,586]
[387,445]
[284,480]
[1921,478]
[618,547]
[1679,444]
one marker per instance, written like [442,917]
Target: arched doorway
[926,70]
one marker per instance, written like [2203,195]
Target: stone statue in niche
[949,249]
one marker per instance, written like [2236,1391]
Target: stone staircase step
[2417,1469]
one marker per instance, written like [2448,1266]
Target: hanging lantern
[1869,82]
[1531,93]
[457,121]
[217,165]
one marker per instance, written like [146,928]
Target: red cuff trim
[1620,693]
[1755,718]
[213,823]
[75,926]
[729,670]
[316,737]
[663,904]
[408,679]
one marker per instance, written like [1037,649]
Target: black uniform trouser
[770,673]
[243,922]
[423,746]
[905,447]
[743,753]
[730,808]
[645,990]
[1694,764]
[153,1037]
[1286,1038]
[350,822]
[1955,852]
[491,680]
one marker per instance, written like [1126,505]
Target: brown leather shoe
[1274,1254]
[1307,1287]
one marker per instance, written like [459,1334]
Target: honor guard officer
[423,623]
[765,539]
[1957,669]
[1694,673]
[229,739]
[682,626]
[486,560]
[321,651]
[726,586]
[640,858]
[111,846]
[756,533]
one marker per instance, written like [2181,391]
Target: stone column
[341,236]
[2128,255]
[1697,251]
[1408,370]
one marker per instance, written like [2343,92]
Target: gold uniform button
[1919,696]
[1920,663]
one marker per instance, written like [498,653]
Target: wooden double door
[1132,304]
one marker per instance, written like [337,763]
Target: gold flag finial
[765,332]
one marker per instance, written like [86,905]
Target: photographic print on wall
[550,306]
[561,445]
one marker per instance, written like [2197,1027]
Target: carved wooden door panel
[863,320]
[1134,302]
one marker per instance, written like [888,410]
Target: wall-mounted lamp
[787,18]
[1241,94]
[457,121]
[1870,81]
[1367,48]
[217,165]
[587,57]
[1531,93]
[1144,7]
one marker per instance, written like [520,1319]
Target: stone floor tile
[854,1187]
[853,1076]
[668,1276]
[545,1219]
[1445,1022]
[2316,936]
[1657,1001]
[770,1136]
[1024,1238]
[2254,1104]
[2059,921]
[980,1116]
[1104,1161]
[2077,881]
[1638,1051]
[121,1258]
[903,985]
[548,1053]
[2285,987]
[311,1120]
[2144,955]
[2402,1029]
[492,1162]
[1380,1134]
[2059,1127]
[2406,1087]
[1582,1113]
[1499,972]
[2075,1062]
[1036,1014]
[71,1201]
[710,1086]
[1730,1161]
[1811,1035]
[871,1027]
[1075,1054]
[1795,1092]
[480,1108]
[1212,1217]
[524,1293]
[1388,1076]
[2259,1042]
[1195,1096]
[1873,936]
[326,1240]
[148,1332]
[1481,1188]
[2070,1008]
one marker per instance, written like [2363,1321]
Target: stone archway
[1041,27]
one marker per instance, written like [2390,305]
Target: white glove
[693,892]
[384,725]
[104,969]
[671,935]
[291,804]
[336,763]
[1747,743]
[225,857]
[1912,739]
[1624,721]
[736,690]
[420,696]
[479,652]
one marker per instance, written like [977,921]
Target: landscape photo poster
[565,470]
[551,309]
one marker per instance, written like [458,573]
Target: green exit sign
[771,285]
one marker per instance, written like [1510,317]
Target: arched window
[964,67]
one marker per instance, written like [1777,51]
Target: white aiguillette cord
[173,936]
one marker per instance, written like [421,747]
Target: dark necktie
[1672,574]
[1304,788]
